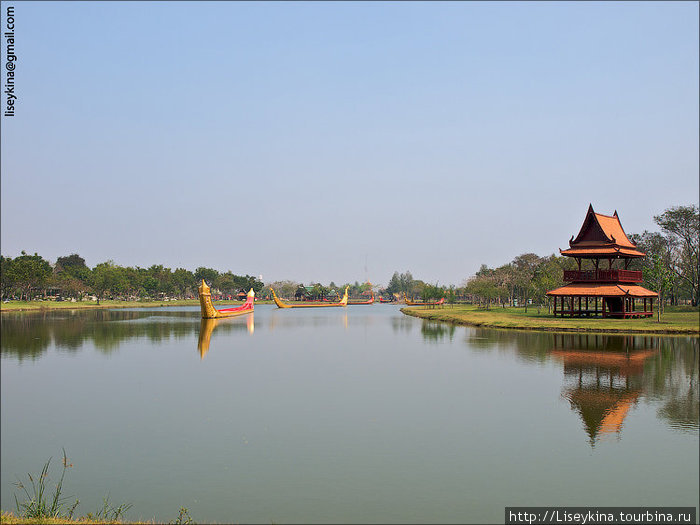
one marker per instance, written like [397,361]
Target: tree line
[30,276]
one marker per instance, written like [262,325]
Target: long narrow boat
[368,301]
[209,312]
[409,302]
[280,304]
[382,300]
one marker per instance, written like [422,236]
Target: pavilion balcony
[618,276]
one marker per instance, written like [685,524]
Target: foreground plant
[108,512]
[37,503]
[183,518]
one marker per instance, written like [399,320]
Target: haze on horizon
[342,141]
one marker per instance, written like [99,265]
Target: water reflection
[403,323]
[29,335]
[436,332]
[606,376]
[207,326]
[602,378]
[286,318]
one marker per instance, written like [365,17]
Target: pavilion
[610,292]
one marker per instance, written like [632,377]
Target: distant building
[593,291]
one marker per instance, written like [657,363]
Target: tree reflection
[435,331]
[29,335]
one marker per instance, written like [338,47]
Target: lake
[343,415]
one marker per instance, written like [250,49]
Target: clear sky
[339,141]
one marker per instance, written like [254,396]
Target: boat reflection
[207,326]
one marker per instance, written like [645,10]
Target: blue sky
[312,140]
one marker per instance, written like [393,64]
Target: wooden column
[603,299]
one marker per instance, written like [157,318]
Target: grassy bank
[10,519]
[29,306]
[676,320]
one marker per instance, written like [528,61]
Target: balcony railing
[620,276]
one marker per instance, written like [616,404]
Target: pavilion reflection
[207,327]
[603,377]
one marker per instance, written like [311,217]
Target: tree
[318,291]
[28,272]
[548,276]
[658,250]
[6,281]
[207,274]
[483,287]
[108,277]
[284,289]
[681,224]
[525,265]
[183,282]
[451,295]
[402,283]
[226,283]
[660,276]
[72,265]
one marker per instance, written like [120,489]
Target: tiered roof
[601,236]
[607,290]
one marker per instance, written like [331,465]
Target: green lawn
[675,320]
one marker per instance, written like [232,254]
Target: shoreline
[508,320]
[85,305]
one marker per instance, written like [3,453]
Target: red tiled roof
[613,229]
[582,251]
[601,235]
[602,290]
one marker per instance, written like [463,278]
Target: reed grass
[38,503]
[43,505]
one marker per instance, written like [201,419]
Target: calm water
[344,415]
